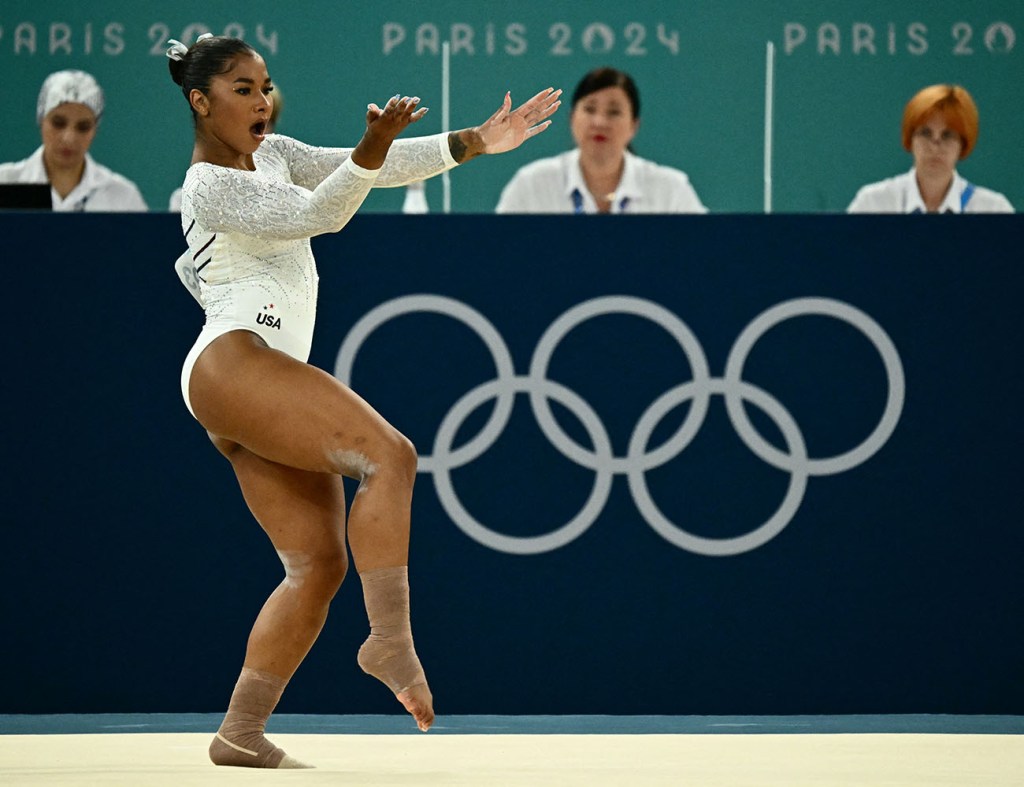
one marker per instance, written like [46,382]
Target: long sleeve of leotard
[230,200]
[408,160]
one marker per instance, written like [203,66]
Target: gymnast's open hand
[382,126]
[507,128]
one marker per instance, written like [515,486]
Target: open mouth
[600,138]
[258,129]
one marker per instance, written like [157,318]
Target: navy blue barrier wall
[852,545]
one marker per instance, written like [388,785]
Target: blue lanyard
[966,195]
[577,203]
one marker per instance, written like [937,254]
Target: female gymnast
[250,203]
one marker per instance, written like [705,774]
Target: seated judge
[68,111]
[940,128]
[601,174]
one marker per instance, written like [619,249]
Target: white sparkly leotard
[249,262]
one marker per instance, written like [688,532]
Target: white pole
[769,100]
[446,182]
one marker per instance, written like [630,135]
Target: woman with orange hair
[940,127]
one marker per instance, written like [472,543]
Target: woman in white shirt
[68,111]
[940,128]
[601,174]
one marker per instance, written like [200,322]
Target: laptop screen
[25,196]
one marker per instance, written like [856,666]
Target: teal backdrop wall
[844,70]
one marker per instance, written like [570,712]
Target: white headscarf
[69,87]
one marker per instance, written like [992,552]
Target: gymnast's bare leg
[290,431]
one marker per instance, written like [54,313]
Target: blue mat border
[65,724]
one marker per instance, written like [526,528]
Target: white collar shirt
[99,190]
[902,195]
[556,185]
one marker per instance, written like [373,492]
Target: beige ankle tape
[386,595]
[388,654]
[240,740]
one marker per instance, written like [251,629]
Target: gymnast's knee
[403,456]
[320,574]
[393,457]
[333,570]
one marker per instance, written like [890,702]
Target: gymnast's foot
[257,752]
[388,653]
[420,703]
[393,661]
[240,741]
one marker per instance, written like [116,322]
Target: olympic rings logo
[637,459]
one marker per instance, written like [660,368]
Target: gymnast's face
[68,131]
[603,123]
[237,109]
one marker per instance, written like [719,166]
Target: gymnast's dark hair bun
[205,59]
[177,69]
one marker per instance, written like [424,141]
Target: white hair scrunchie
[177,50]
